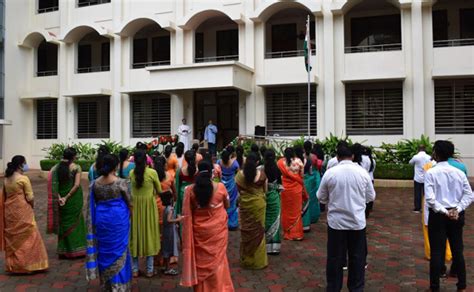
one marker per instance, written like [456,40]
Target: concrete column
[177,112]
[328,69]
[407,44]
[242,112]
[337,107]
[62,112]
[428,64]
[418,69]
[126,119]
[319,71]
[116,97]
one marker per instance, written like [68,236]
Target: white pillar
[177,112]
[116,97]
[417,69]
[328,69]
[408,98]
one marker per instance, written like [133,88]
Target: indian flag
[307,47]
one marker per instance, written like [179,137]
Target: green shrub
[47,164]
[393,171]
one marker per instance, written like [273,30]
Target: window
[84,57]
[377,33]
[228,43]
[93,54]
[454,106]
[47,63]
[467,23]
[199,49]
[46,119]
[374,109]
[93,117]
[151,115]
[440,25]
[105,56]
[140,53]
[47,6]
[284,37]
[161,51]
[83,3]
[287,111]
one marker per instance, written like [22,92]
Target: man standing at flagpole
[307,59]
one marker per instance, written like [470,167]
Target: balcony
[93,83]
[387,65]
[45,6]
[287,54]
[453,23]
[456,61]
[273,75]
[151,47]
[93,54]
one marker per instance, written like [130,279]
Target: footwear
[416,211]
[135,274]
[150,274]
[171,272]
[366,266]
[344,268]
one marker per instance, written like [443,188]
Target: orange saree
[205,237]
[292,198]
[19,235]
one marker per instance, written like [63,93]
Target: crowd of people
[182,204]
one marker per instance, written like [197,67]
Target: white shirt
[332,162]
[447,187]
[419,160]
[366,165]
[184,132]
[346,189]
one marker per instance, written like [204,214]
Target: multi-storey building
[128,70]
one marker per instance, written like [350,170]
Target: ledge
[39,95]
[93,92]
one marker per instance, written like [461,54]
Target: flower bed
[47,164]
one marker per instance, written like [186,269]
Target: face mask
[25,167]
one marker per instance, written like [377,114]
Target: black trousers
[419,190]
[340,243]
[440,228]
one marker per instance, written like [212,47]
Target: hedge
[394,171]
[47,164]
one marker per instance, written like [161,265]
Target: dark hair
[110,164]
[190,157]
[101,152]
[271,169]
[255,150]
[179,149]
[195,147]
[239,151]
[357,151]
[140,166]
[167,151]
[289,154]
[421,148]
[203,187]
[318,150]
[159,163]
[368,152]
[64,174]
[250,167]
[14,165]
[141,146]
[443,150]
[166,198]
[225,156]
[308,145]
[344,151]
[263,149]
[299,152]
[123,156]
[208,157]
[230,149]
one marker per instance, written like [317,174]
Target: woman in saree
[65,202]
[19,235]
[99,160]
[229,168]
[172,164]
[309,184]
[252,184]
[317,163]
[125,166]
[205,234]
[272,213]
[184,177]
[108,229]
[292,196]
[145,231]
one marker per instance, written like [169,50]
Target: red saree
[291,201]
[205,237]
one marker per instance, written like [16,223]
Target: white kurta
[184,133]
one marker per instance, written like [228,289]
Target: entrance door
[222,107]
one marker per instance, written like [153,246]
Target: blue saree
[228,179]
[108,223]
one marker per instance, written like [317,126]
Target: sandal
[171,272]
[149,274]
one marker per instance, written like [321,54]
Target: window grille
[374,109]
[84,3]
[93,117]
[46,119]
[287,111]
[151,115]
[454,106]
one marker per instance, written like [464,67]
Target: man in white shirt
[184,133]
[419,160]
[447,195]
[346,189]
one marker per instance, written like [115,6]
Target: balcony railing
[46,73]
[216,59]
[93,69]
[453,43]
[92,2]
[373,48]
[287,54]
[48,9]
[148,64]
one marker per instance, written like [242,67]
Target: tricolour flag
[307,47]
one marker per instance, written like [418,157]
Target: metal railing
[92,2]
[46,73]
[453,43]
[373,48]
[93,69]
[148,64]
[48,9]
[216,59]
[287,54]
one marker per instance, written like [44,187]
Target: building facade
[129,70]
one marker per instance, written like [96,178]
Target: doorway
[222,107]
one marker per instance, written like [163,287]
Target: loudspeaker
[260,131]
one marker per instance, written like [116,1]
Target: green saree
[273,219]
[253,254]
[310,185]
[68,220]
[181,182]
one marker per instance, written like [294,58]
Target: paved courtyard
[396,261]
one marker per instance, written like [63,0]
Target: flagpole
[309,77]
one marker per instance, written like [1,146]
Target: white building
[127,70]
